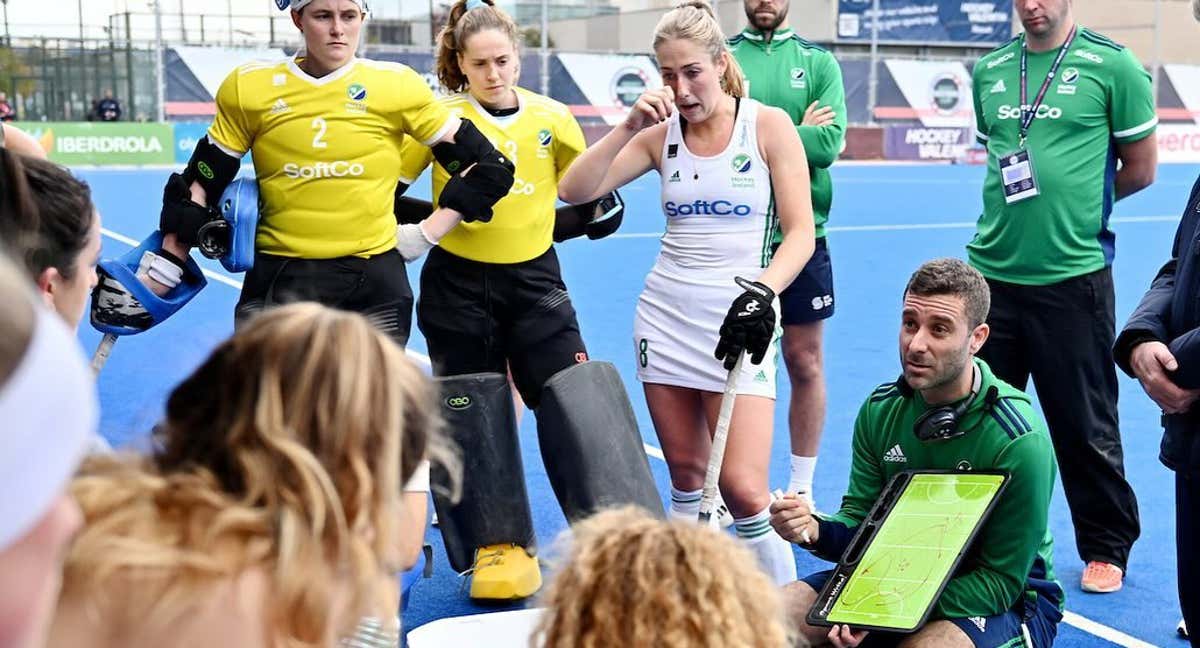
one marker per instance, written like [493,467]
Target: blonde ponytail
[695,21]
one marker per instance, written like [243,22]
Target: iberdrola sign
[104,144]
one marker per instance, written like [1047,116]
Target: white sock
[802,474]
[685,505]
[774,553]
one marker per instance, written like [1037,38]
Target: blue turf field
[886,220]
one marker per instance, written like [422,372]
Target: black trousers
[1062,334]
[489,317]
[1187,550]
[377,287]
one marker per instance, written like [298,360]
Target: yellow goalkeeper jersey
[326,150]
[542,139]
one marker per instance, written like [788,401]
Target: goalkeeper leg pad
[493,508]
[590,443]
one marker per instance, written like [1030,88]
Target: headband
[49,410]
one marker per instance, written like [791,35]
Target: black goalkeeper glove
[609,212]
[595,219]
[749,325]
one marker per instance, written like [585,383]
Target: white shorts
[675,332]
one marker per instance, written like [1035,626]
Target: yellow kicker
[504,572]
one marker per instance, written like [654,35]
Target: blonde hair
[282,452]
[461,25]
[632,579]
[695,21]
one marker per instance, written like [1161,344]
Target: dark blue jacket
[1170,313]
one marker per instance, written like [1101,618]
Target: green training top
[790,73]
[1012,554]
[1101,96]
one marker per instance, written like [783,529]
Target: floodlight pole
[158,63]
[7,36]
[545,52]
[1157,46]
[433,34]
[873,78]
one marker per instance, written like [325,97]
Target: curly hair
[631,579]
[284,452]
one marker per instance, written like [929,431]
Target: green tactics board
[907,549]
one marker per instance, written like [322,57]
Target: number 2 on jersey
[320,126]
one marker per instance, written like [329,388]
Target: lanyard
[1027,115]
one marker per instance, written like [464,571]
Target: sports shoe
[1101,577]
[1182,629]
[504,572]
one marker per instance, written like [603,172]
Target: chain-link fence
[61,79]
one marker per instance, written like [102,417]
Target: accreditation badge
[1017,176]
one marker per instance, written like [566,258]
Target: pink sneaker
[1101,577]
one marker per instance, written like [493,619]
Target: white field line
[898,227]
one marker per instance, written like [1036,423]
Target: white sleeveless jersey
[720,223]
[720,210]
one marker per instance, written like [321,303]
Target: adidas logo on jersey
[279,107]
[674,177]
[999,87]
[895,455]
[761,377]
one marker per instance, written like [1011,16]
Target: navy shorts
[810,297]
[1002,630]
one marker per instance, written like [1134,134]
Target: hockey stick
[102,352]
[711,476]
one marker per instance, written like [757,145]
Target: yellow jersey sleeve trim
[226,149]
[441,132]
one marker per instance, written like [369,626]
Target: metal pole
[229,13]
[1157,47]
[158,63]
[130,83]
[7,36]
[873,79]
[81,21]
[432,28]
[545,53]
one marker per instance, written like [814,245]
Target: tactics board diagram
[913,544]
